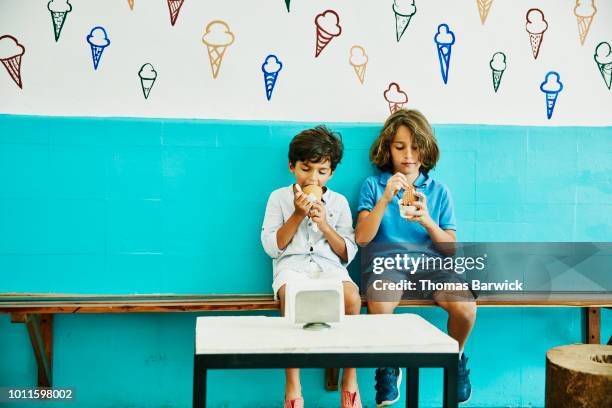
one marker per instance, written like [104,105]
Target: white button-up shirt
[307,245]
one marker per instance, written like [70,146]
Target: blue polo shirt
[393,228]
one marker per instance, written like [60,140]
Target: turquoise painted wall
[143,206]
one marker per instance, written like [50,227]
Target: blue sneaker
[388,382]
[464,387]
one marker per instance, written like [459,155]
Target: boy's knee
[352,300]
[381,307]
[463,310]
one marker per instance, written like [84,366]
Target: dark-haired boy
[299,251]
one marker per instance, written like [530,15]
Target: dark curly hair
[316,145]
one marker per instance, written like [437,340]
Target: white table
[399,340]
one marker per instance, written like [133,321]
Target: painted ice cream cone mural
[174,6]
[444,39]
[603,58]
[131,4]
[217,38]
[270,68]
[584,11]
[498,66]
[395,97]
[327,26]
[147,75]
[10,55]
[484,6]
[359,61]
[551,87]
[536,26]
[98,41]
[59,10]
[288,4]
[404,10]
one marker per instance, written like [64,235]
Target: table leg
[199,384]
[412,387]
[450,382]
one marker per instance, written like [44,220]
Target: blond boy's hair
[415,121]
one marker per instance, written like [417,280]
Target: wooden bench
[37,310]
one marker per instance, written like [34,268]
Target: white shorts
[285,276]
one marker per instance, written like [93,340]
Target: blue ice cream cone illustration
[551,87]
[98,41]
[444,39]
[270,68]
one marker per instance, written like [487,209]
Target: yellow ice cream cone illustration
[359,61]
[484,6]
[217,38]
[584,11]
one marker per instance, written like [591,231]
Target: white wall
[59,79]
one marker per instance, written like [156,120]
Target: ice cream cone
[314,190]
[175,7]
[360,71]
[606,73]
[13,66]
[147,84]
[131,4]
[394,106]
[401,23]
[497,76]
[58,22]
[406,206]
[314,193]
[96,54]
[484,6]
[536,42]
[444,55]
[551,100]
[323,38]
[288,4]
[584,24]
[270,80]
[215,55]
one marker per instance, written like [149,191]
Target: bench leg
[199,384]
[592,325]
[40,329]
[450,383]
[331,379]
[412,387]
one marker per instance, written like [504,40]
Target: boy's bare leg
[293,388]
[461,314]
[352,306]
[383,302]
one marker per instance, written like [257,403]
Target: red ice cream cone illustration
[11,53]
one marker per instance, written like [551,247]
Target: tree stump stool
[579,376]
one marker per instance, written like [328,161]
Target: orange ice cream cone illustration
[484,6]
[359,61]
[584,11]
[217,38]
